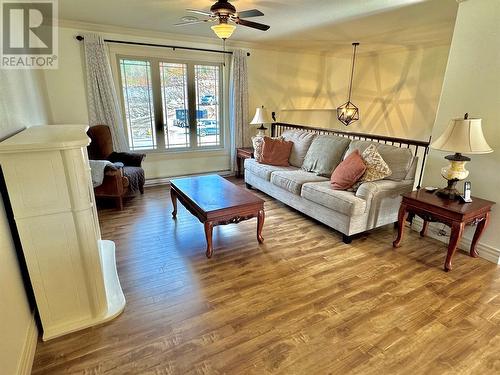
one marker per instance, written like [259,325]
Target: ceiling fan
[225,14]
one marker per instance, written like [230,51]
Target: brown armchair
[126,177]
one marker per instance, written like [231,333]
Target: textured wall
[472,84]
[397,91]
[22,104]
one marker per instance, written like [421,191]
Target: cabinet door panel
[36,183]
[56,267]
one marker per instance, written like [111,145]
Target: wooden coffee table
[216,201]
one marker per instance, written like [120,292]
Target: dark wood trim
[374,137]
[415,145]
[12,134]
[16,240]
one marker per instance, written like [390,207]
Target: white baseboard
[485,251]
[28,354]
[166,180]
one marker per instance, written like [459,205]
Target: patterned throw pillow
[257,143]
[376,167]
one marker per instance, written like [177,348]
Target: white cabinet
[73,271]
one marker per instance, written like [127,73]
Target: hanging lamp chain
[355,44]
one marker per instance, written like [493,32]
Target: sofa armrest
[384,188]
[129,159]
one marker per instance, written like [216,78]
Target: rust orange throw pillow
[348,172]
[276,152]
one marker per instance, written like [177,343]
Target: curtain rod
[80,38]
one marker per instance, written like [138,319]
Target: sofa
[372,205]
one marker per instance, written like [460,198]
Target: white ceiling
[313,24]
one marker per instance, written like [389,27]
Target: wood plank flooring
[301,303]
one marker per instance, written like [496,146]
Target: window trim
[155,61]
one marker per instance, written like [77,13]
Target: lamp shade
[223,30]
[463,136]
[261,117]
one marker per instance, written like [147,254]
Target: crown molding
[145,35]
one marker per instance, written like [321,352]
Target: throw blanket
[97,171]
[135,177]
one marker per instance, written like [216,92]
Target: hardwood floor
[301,303]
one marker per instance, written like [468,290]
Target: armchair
[119,181]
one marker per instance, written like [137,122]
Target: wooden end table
[242,153]
[216,201]
[432,208]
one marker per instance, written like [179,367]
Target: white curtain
[238,102]
[102,99]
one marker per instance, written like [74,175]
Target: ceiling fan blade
[253,25]
[205,13]
[190,23]
[250,13]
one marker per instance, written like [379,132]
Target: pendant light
[348,112]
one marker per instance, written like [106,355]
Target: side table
[432,208]
[242,153]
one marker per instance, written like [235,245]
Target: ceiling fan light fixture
[223,30]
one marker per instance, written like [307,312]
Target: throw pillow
[301,141]
[348,172]
[257,143]
[325,154]
[376,167]
[399,159]
[276,152]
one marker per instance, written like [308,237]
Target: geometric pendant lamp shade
[347,113]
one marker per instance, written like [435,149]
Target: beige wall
[22,104]
[472,84]
[397,91]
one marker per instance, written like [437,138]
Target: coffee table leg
[423,232]
[260,225]
[477,234]
[209,226]
[456,233]
[173,195]
[401,225]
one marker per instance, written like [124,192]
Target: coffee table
[216,201]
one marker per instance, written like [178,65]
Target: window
[171,105]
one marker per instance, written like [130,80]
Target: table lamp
[462,136]
[261,117]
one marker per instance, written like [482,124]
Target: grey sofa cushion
[264,170]
[301,141]
[342,201]
[292,181]
[399,159]
[324,154]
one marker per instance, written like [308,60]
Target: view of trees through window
[187,96]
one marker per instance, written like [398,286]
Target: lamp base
[261,130]
[450,191]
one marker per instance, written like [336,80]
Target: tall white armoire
[72,271]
